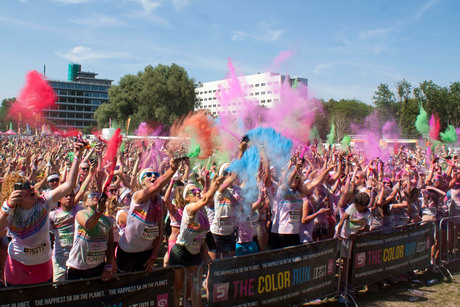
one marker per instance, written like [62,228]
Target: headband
[51,177]
[141,174]
[186,189]
[123,195]
[223,167]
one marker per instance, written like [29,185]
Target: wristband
[108,267]
[7,210]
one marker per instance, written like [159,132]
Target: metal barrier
[376,256]
[451,247]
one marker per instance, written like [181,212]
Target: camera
[18,186]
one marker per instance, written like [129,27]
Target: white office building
[264,88]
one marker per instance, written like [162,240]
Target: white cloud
[149,5]
[27,24]
[82,54]
[148,12]
[180,4]
[267,36]
[71,1]
[324,69]
[99,20]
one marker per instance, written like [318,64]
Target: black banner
[275,278]
[133,289]
[377,257]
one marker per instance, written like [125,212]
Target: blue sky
[345,48]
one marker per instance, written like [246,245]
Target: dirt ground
[446,292]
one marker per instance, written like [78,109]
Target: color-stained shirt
[193,230]
[142,225]
[89,246]
[29,229]
[62,223]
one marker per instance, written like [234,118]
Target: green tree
[4,108]
[384,100]
[158,95]
[342,114]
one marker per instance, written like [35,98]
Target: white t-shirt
[355,222]
[29,229]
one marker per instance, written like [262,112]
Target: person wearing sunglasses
[92,251]
[138,246]
[190,249]
[26,215]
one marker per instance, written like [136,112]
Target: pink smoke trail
[435,127]
[36,96]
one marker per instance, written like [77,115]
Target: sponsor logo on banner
[220,292]
[162,300]
[360,260]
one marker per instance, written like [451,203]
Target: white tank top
[287,214]
[142,225]
[193,230]
[225,206]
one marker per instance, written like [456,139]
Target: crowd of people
[57,223]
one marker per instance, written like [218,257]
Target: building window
[269,92]
[262,84]
[262,101]
[251,94]
[257,85]
[257,93]
[262,93]
[269,100]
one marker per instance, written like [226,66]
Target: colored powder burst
[143,129]
[390,130]
[421,123]
[194,151]
[346,140]
[197,129]
[458,133]
[449,136]
[239,114]
[277,147]
[280,59]
[110,157]
[435,127]
[330,136]
[151,153]
[314,134]
[36,96]
[294,114]
[247,168]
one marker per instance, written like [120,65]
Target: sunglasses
[195,192]
[92,195]
[53,180]
[150,174]
[85,169]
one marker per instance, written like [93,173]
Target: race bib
[95,257]
[294,215]
[227,221]
[35,250]
[66,239]
[150,233]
